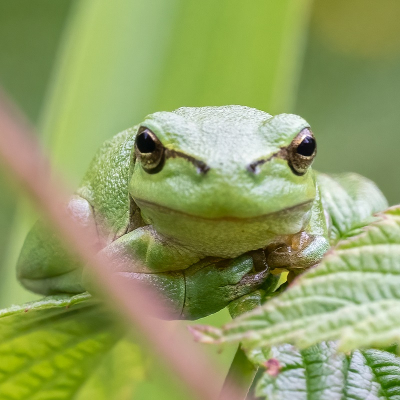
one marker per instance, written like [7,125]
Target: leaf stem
[242,373]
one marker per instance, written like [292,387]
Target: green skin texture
[205,239]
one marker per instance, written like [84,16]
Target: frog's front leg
[206,287]
[143,250]
[212,285]
[302,250]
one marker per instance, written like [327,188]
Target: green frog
[207,204]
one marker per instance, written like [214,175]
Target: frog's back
[105,184]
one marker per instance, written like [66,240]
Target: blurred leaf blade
[235,53]
[75,343]
[104,79]
[45,303]
[29,35]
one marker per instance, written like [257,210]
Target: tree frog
[208,204]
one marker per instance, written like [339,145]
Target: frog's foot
[246,303]
[212,284]
[202,289]
[303,252]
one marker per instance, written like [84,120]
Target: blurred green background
[83,70]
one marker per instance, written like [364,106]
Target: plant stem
[241,372]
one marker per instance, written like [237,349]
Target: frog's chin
[225,236]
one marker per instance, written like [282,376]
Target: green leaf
[320,372]
[65,347]
[351,201]
[353,296]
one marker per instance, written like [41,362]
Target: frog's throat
[148,204]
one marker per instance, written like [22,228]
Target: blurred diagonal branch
[21,155]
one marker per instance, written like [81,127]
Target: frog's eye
[149,150]
[302,151]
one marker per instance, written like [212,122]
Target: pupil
[307,147]
[145,143]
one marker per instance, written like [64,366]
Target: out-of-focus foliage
[79,352]
[234,53]
[30,33]
[6,215]
[350,89]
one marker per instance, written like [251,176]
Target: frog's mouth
[143,204]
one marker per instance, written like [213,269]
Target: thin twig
[242,372]
[22,156]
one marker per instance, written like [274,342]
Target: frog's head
[224,180]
